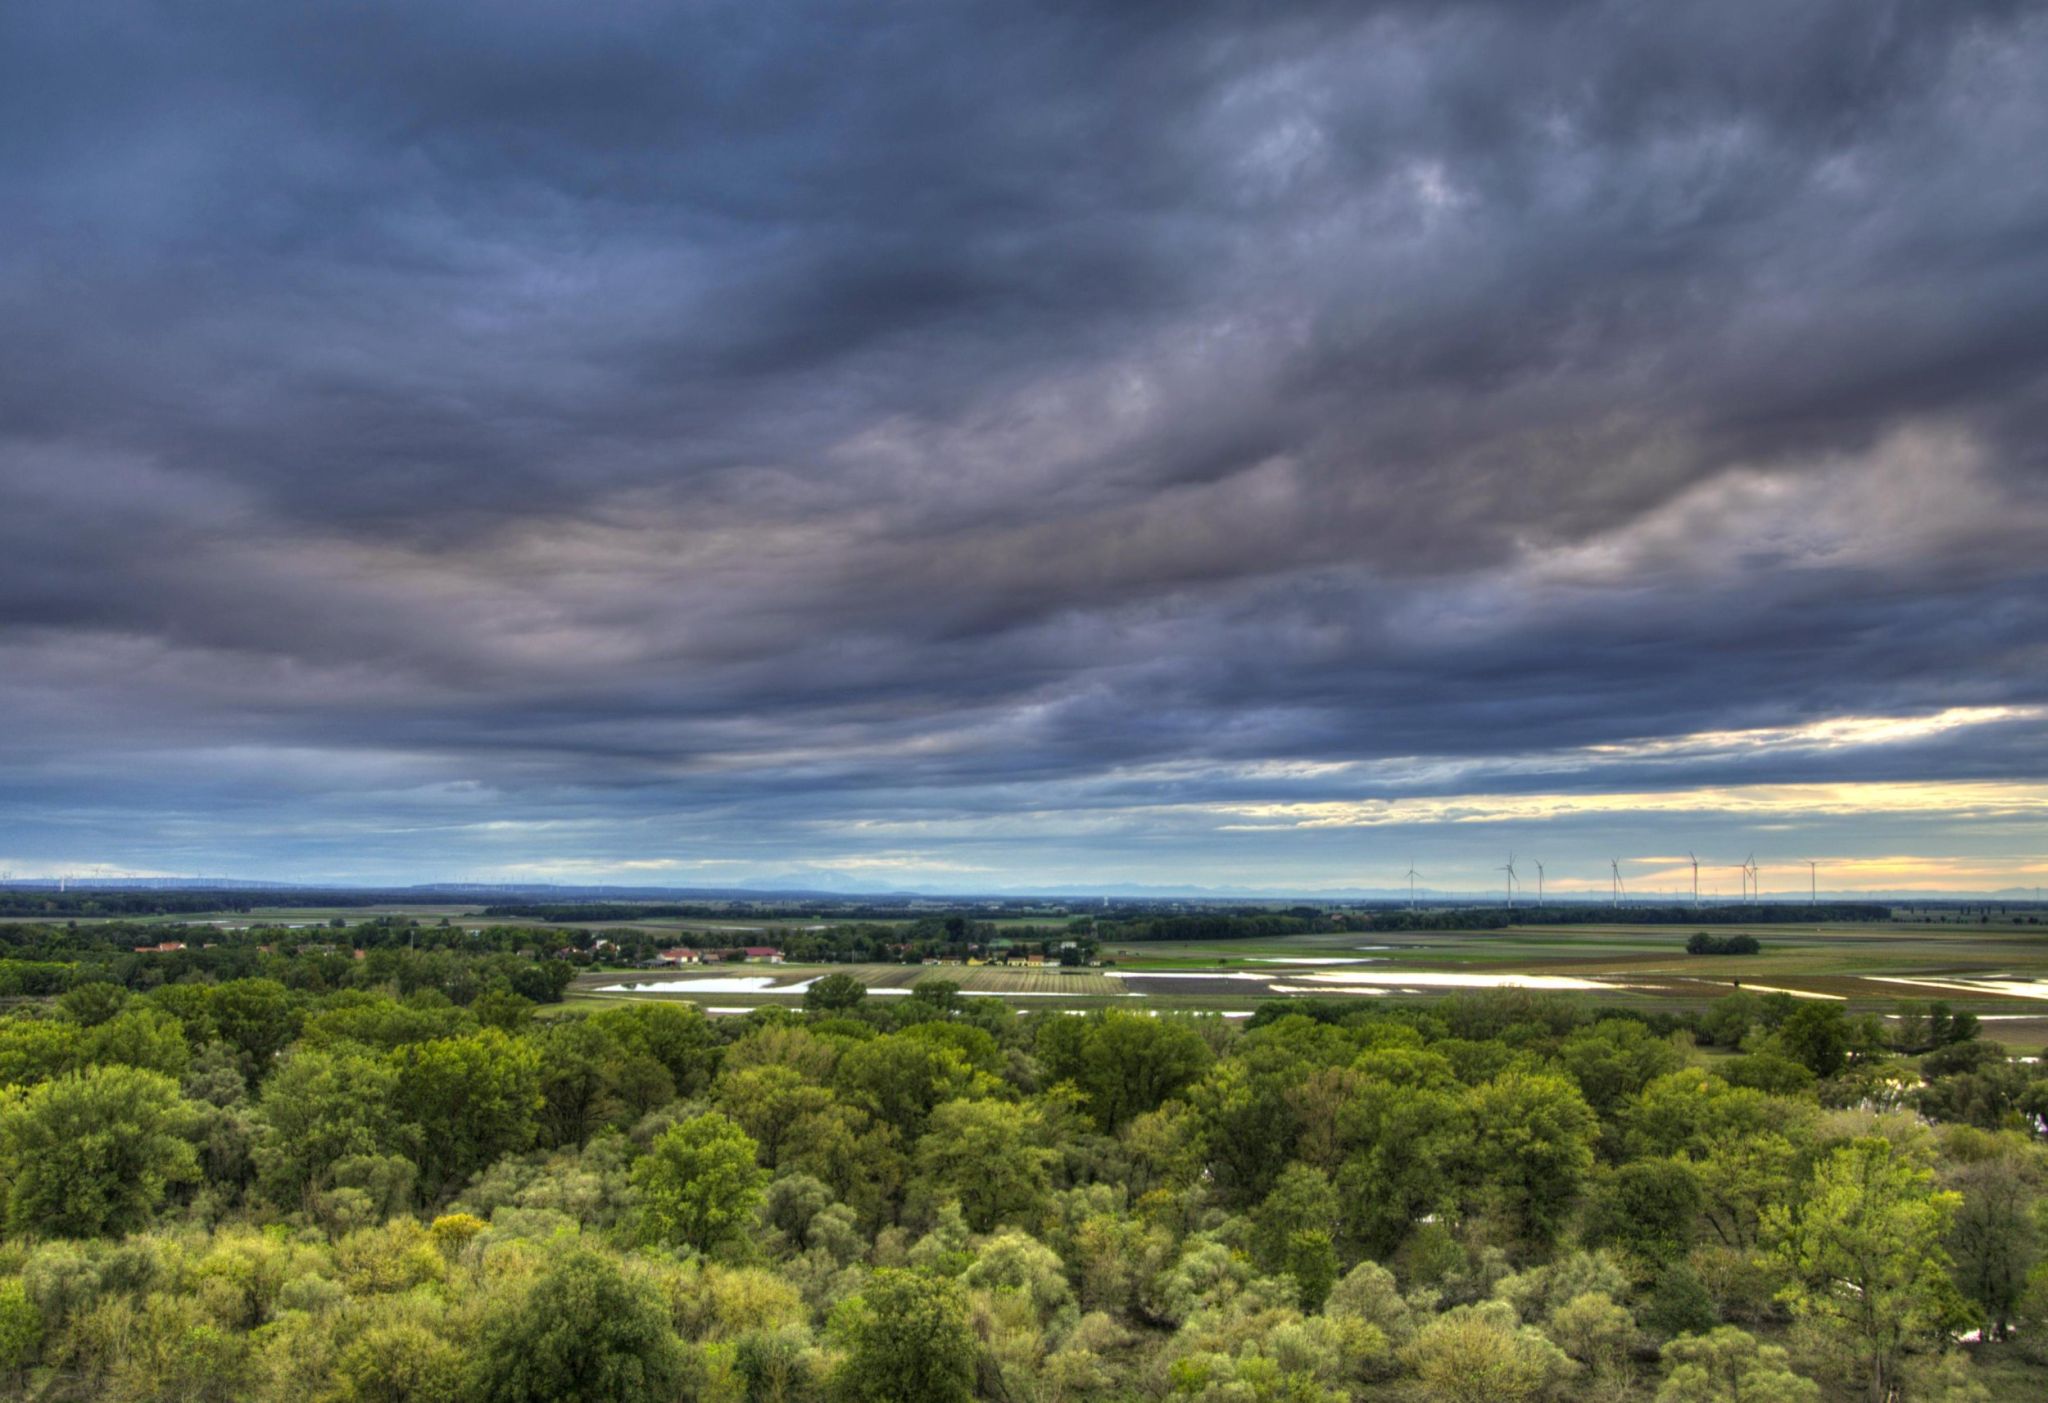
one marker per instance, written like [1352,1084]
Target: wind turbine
[1756,879]
[1614,867]
[1412,875]
[1695,880]
[1812,882]
[1510,870]
[1539,884]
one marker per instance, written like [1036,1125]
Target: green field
[1632,966]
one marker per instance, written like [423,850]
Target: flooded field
[1999,974]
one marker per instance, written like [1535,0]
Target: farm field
[1998,972]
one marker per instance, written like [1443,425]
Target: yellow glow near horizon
[1976,800]
[1834,733]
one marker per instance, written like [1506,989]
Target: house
[166,947]
[762,955]
[681,955]
[1034,960]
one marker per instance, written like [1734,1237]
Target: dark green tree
[93,1153]
[583,1334]
[906,1339]
[835,993]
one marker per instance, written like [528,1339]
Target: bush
[1703,943]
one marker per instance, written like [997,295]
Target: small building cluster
[751,954]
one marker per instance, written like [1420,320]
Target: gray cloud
[721,425]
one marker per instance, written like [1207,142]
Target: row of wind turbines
[1752,880]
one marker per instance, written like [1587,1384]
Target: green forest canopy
[300,1175]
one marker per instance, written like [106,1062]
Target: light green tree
[21,1329]
[1614,1059]
[1863,1258]
[699,1184]
[1727,1365]
[402,1363]
[1482,1354]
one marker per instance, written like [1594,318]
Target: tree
[1123,1064]
[899,1079]
[699,1183]
[835,993]
[256,1017]
[1615,1059]
[1816,1036]
[1728,1019]
[21,1330]
[465,1102]
[1863,1254]
[1995,1236]
[1599,1333]
[502,1009]
[322,1105]
[768,1101]
[1403,1139]
[402,1363]
[989,1155]
[1310,1261]
[589,1081]
[1481,1354]
[1651,1206]
[676,1035]
[907,1340]
[93,1154]
[93,1002]
[1729,1366]
[142,1037]
[583,1334]
[1301,1201]
[37,1049]
[1532,1143]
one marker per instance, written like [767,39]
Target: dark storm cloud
[700,421]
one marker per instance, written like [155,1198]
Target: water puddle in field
[1438,979]
[1312,989]
[2011,988]
[1242,976]
[1799,994]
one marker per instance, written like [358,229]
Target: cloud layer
[977,444]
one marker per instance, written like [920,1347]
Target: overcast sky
[982,445]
